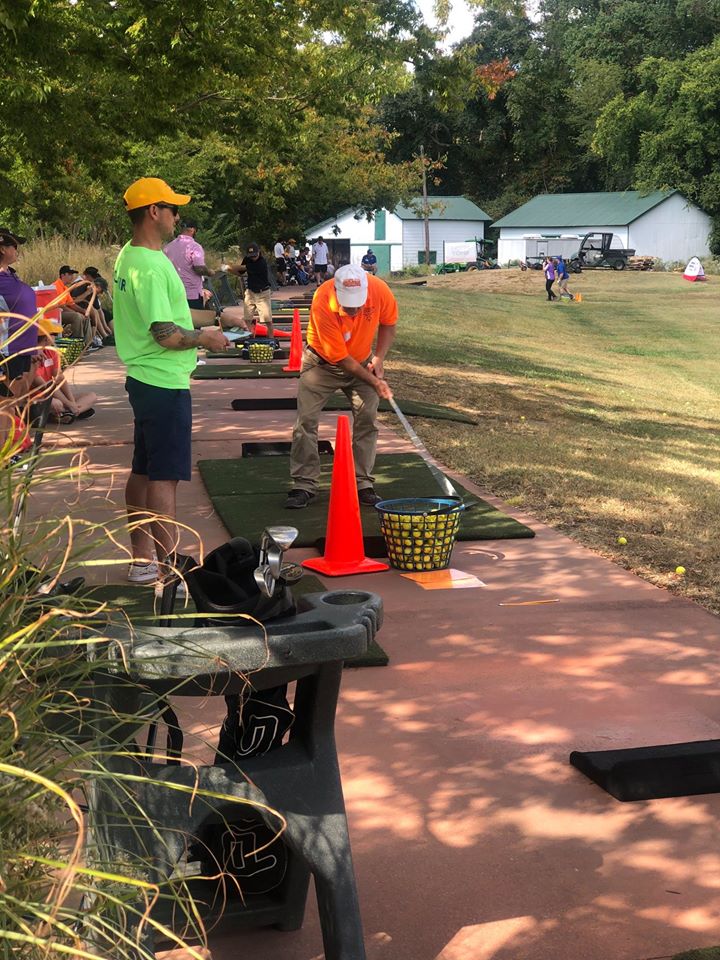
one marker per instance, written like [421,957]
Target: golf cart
[466,255]
[596,250]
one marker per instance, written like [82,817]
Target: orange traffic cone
[344,551]
[295,361]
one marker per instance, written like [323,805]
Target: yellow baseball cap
[149,190]
[49,327]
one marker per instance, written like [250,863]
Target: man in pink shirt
[188,258]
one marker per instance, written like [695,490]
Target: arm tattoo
[164,330]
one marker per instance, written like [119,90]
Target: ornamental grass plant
[64,892]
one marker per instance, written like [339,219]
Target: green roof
[583,209]
[442,208]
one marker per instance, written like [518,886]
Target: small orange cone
[344,550]
[262,331]
[295,361]
[578,298]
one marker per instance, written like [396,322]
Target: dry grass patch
[601,419]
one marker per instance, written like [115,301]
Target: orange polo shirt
[60,287]
[335,335]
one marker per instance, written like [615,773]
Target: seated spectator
[20,299]
[72,314]
[87,293]
[66,406]
[369,262]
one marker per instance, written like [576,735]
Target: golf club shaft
[445,484]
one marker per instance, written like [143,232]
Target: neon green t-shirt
[147,289]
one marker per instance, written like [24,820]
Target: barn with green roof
[661,224]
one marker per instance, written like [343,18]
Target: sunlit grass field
[600,418]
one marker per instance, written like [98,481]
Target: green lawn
[600,418]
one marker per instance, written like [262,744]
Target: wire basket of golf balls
[420,532]
[260,353]
[70,349]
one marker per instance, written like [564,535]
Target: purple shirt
[184,253]
[550,271]
[20,298]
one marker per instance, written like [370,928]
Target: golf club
[445,484]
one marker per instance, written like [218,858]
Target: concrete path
[473,839]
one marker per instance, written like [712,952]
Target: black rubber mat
[653,773]
[280,448]
[411,408]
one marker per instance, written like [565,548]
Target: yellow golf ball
[680,571]
[622,541]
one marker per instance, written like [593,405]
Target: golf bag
[255,723]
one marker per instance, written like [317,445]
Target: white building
[397,237]
[660,224]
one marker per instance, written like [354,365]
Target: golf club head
[273,544]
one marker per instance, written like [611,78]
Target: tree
[667,136]
[240,103]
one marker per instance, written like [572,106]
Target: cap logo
[351,282]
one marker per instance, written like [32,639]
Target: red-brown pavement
[473,838]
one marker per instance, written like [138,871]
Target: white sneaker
[142,572]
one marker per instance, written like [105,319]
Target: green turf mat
[249,494]
[248,371]
[703,953]
[411,408]
[137,602]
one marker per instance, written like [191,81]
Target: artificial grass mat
[249,494]
[704,953]
[248,371]
[338,401]
[137,603]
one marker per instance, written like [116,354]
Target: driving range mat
[137,602]
[249,494]
[338,401]
[248,371]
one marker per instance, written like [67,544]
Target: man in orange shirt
[347,313]
[72,314]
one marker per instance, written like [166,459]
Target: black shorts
[280,265]
[197,303]
[17,365]
[320,268]
[163,431]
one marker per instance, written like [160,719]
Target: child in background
[65,406]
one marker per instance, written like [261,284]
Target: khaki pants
[261,302]
[317,382]
[81,326]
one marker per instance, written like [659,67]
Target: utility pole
[426,210]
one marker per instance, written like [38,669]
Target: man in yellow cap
[157,340]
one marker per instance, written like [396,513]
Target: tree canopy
[279,113]
[264,110]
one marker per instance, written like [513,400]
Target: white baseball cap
[351,285]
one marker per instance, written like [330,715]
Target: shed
[397,236]
[660,224]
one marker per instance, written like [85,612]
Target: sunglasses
[5,242]
[168,206]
